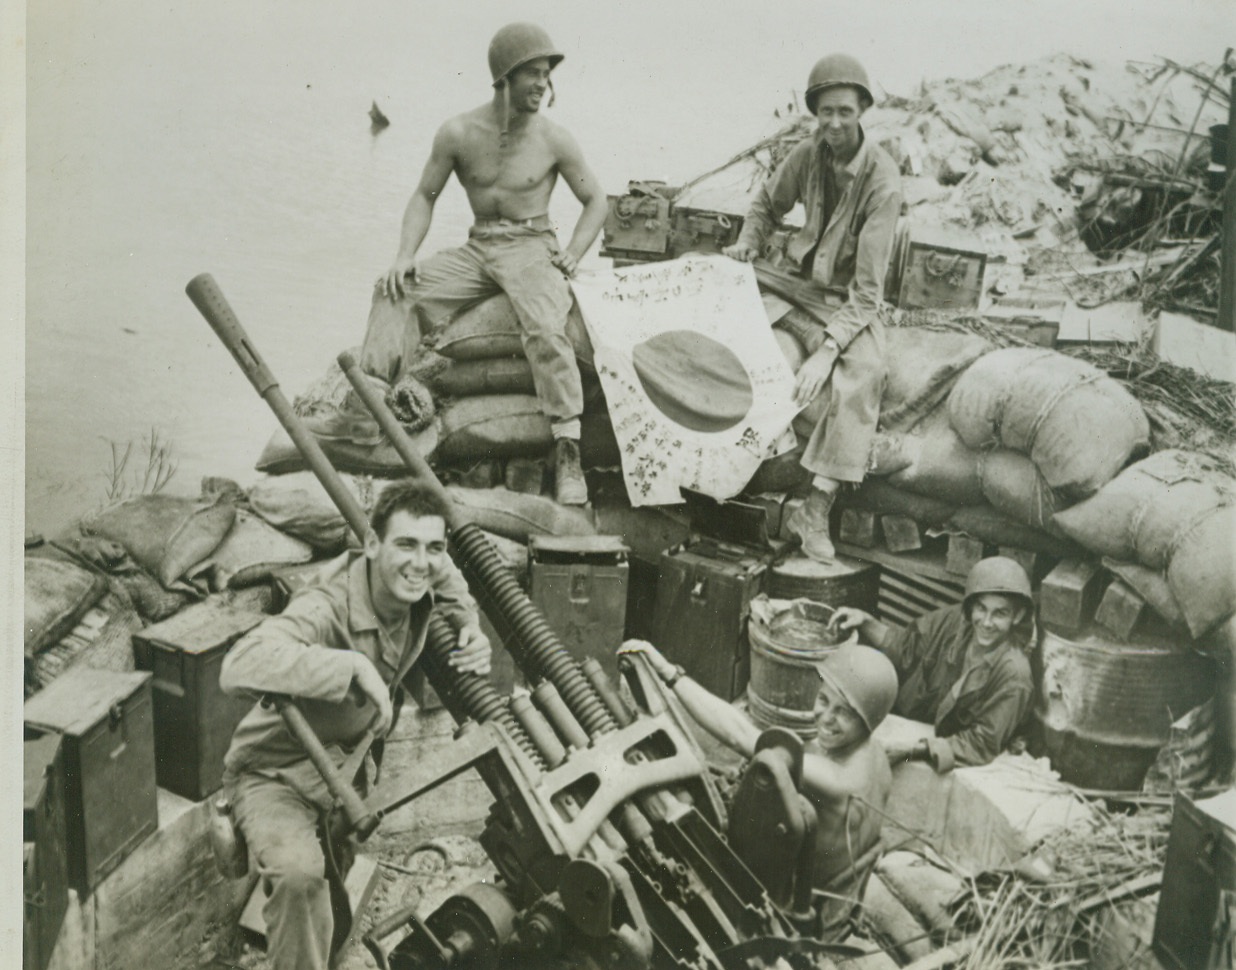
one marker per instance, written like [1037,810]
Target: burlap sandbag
[281,457]
[495,375]
[876,495]
[1202,572]
[250,552]
[518,516]
[166,535]
[491,329]
[298,505]
[938,463]
[781,473]
[986,523]
[1078,426]
[1141,514]
[1014,487]
[923,365]
[57,594]
[493,426]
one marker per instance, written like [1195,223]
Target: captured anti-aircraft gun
[606,827]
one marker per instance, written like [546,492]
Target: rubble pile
[1045,166]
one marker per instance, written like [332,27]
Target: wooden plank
[963,553]
[926,563]
[1120,609]
[525,475]
[860,528]
[917,597]
[486,473]
[901,533]
[1070,593]
[156,908]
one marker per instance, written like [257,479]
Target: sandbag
[57,594]
[781,473]
[469,378]
[518,516]
[491,329]
[876,495]
[791,347]
[250,552]
[298,505]
[938,463]
[986,523]
[493,426]
[1078,426]
[922,365]
[166,535]
[1202,572]
[281,457]
[514,556]
[1014,487]
[1140,515]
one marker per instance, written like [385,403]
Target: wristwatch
[831,343]
[678,674]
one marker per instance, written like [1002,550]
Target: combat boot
[810,523]
[569,485]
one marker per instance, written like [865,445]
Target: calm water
[164,140]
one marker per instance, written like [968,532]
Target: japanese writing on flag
[698,391]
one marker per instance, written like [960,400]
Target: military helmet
[998,574]
[517,44]
[835,70]
[865,678]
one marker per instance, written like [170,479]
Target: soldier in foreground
[962,668]
[846,775]
[508,157]
[343,650]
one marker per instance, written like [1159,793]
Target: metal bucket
[787,640]
[1106,708]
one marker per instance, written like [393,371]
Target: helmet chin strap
[506,108]
[505,82]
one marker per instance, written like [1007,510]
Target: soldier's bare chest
[522,162]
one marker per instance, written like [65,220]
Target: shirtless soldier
[508,157]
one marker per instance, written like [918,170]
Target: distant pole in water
[378,121]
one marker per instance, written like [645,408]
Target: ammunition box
[1199,880]
[46,855]
[940,278]
[106,726]
[193,718]
[581,584]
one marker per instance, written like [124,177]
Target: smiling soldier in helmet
[962,668]
[508,157]
[834,269]
[845,773]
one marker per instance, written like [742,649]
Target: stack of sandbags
[487,406]
[1077,425]
[201,544]
[1173,513]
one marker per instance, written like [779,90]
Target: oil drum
[844,582]
[1106,707]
